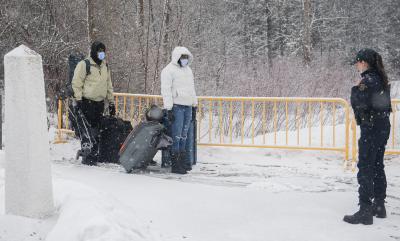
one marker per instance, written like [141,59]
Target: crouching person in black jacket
[370,100]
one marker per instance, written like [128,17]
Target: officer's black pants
[371,174]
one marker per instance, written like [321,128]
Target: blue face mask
[184,62]
[101,55]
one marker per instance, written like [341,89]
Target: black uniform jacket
[370,100]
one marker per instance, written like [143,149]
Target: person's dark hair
[381,69]
[374,60]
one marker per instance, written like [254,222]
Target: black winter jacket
[370,100]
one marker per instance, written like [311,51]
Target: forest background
[240,47]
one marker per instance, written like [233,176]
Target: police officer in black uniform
[370,100]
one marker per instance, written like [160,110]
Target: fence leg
[354,150]
[347,136]
[59,139]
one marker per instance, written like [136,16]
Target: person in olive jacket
[91,90]
[370,100]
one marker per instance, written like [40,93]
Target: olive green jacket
[96,86]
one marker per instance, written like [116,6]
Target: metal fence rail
[259,122]
[271,122]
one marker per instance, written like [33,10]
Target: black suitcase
[113,132]
[142,144]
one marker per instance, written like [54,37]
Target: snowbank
[233,194]
[87,214]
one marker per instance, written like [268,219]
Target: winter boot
[185,161]
[166,159]
[378,209]
[90,160]
[176,166]
[363,216]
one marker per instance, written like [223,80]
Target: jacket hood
[178,52]
[96,46]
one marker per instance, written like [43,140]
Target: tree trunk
[307,31]
[92,32]
[141,13]
[269,37]
[141,39]
[159,46]
[165,54]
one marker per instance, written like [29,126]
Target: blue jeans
[180,127]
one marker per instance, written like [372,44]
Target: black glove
[111,109]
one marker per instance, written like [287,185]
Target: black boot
[89,160]
[363,216]
[378,209]
[176,166]
[185,161]
[166,159]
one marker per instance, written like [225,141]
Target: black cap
[96,46]
[367,55]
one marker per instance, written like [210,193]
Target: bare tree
[91,21]
[307,31]
[251,47]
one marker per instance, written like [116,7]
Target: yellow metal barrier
[280,123]
[260,119]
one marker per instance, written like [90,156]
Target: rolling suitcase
[142,145]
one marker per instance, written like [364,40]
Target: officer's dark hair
[374,60]
[381,69]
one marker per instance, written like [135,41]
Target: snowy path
[232,194]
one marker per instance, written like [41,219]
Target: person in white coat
[179,98]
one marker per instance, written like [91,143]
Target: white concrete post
[28,184]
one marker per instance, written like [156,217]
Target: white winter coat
[177,84]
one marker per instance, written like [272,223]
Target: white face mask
[184,62]
[101,55]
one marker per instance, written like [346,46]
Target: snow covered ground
[232,194]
